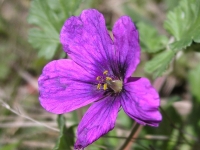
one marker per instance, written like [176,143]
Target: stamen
[98,86]
[115,85]
[108,78]
[105,86]
[105,72]
[106,82]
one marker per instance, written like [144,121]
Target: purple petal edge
[141,102]
[98,120]
[87,41]
[62,88]
[126,41]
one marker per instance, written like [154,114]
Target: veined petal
[141,101]
[86,40]
[98,120]
[64,86]
[126,40]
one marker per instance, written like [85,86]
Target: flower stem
[134,133]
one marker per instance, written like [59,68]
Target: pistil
[108,82]
[115,85]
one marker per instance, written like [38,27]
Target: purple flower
[98,72]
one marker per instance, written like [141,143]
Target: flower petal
[98,120]
[141,101]
[126,40]
[86,40]
[65,86]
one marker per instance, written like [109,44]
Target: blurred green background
[28,42]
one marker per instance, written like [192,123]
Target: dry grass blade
[5,105]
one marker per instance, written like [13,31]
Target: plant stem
[134,133]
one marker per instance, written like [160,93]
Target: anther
[108,78]
[98,86]
[105,72]
[98,78]
[105,86]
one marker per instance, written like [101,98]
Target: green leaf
[194,82]
[69,7]
[159,63]
[184,23]
[66,137]
[136,13]
[171,3]
[46,44]
[49,17]
[11,146]
[151,41]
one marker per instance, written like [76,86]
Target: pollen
[106,82]
[108,78]
[105,72]
[105,86]
[98,86]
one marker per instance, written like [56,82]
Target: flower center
[107,82]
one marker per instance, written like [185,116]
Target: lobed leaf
[150,39]
[159,63]
[48,16]
[184,24]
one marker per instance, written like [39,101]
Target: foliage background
[29,38]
